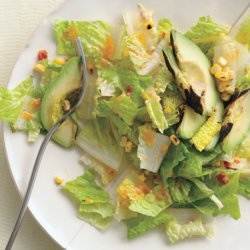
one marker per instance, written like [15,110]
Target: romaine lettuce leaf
[162,79]
[151,149]
[155,109]
[96,220]
[243,79]
[142,224]
[179,190]
[226,193]
[106,173]
[177,232]
[206,33]
[94,203]
[152,203]
[12,101]
[244,186]
[96,139]
[124,107]
[175,155]
[164,28]
[243,35]
[94,36]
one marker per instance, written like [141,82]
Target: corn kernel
[222,76]
[59,61]
[58,180]
[27,116]
[222,61]
[175,140]
[35,103]
[215,68]
[89,200]
[123,141]
[128,146]
[39,68]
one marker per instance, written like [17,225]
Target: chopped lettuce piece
[243,79]
[94,36]
[96,139]
[152,203]
[155,110]
[244,149]
[106,173]
[151,149]
[206,33]
[162,79]
[175,155]
[103,209]
[244,186]
[95,207]
[226,193]
[124,107]
[164,28]
[11,101]
[243,35]
[205,134]
[179,190]
[144,63]
[190,168]
[96,220]
[178,232]
[142,224]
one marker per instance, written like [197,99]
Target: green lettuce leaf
[94,203]
[178,232]
[175,155]
[96,220]
[243,80]
[124,107]
[155,110]
[162,79]
[142,224]
[244,186]
[96,139]
[179,190]
[164,27]
[152,203]
[243,35]
[226,193]
[93,36]
[206,33]
[12,101]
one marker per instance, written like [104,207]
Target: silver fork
[43,147]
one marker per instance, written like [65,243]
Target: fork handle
[32,180]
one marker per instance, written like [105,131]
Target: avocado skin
[68,81]
[194,100]
[225,130]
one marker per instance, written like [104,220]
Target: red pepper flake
[222,178]
[227,164]
[42,54]
[129,89]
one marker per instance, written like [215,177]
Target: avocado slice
[236,124]
[190,67]
[63,90]
[190,123]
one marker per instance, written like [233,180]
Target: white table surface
[18,19]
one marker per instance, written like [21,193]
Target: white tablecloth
[18,19]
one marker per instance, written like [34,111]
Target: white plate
[55,213]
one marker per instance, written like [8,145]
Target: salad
[163,129]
